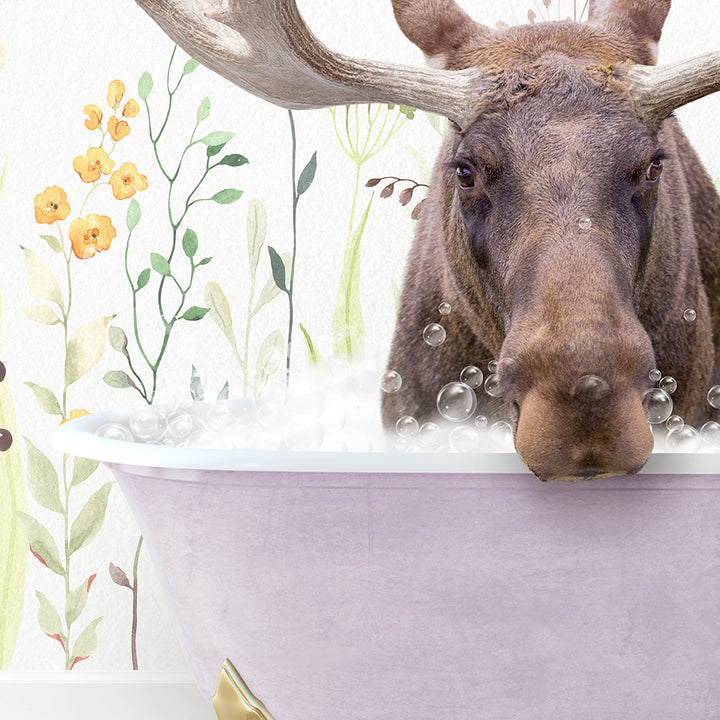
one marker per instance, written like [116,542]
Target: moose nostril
[590,387]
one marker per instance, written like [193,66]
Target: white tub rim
[77,437]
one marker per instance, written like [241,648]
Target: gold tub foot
[233,700]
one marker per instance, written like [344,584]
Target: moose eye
[654,170]
[465,176]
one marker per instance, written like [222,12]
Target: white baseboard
[101,696]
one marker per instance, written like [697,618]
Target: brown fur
[558,139]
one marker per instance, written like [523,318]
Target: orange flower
[131,109]
[75,414]
[126,181]
[94,114]
[91,234]
[116,90]
[51,205]
[118,128]
[90,166]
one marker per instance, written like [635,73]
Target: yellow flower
[116,90]
[51,205]
[75,414]
[90,166]
[91,234]
[118,129]
[126,181]
[94,114]
[131,109]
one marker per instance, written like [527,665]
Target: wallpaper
[165,234]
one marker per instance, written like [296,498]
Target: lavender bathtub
[369,586]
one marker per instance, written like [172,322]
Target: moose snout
[591,432]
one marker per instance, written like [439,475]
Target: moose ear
[440,28]
[643,18]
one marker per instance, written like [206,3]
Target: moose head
[569,223]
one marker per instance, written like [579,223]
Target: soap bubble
[585,223]
[493,366]
[407,427]
[115,431]
[219,416]
[501,433]
[444,308]
[658,405]
[430,434]
[456,401]
[304,433]
[590,387]
[492,386]
[402,444]
[710,433]
[266,441]
[472,376]
[463,438]
[668,384]
[269,414]
[201,438]
[689,315]
[685,439]
[674,422]
[179,425]
[434,334]
[480,422]
[654,375]
[147,424]
[713,396]
[390,381]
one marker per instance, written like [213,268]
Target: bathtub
[371,586]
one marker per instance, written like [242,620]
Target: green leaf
[436,122]
[313,354]
[49,617]
[85,348]
[40,280]
[53,242]
[215,149]
[133,215]
[234,160]
[256,231]
[278,268]
[160,264]
[83,468]
[307,175]
[190,243]
[347,325]
[271,290]
[76,601]
[270,356]
[195,313]
[407,111]
[203,110]
[204,261]
[196,388]
[189,66]
[86,643]
[224,393]
[217,138]
[90,519]
[220,312]
[43,314]
[42,479]
[46,399]
[118,379]
[143,279]
[227,196]
[145,85]
[118,339]
[41,543]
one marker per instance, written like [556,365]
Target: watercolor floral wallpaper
[164,233]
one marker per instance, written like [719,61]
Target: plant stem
[292,262]
[133,632]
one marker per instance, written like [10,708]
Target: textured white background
[61,56]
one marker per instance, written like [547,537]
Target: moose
[569,223]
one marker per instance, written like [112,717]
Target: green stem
[292,263]
[136,330]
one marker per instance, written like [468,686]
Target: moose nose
[590,432]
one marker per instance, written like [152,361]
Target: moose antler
[658,90]
[265,47]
